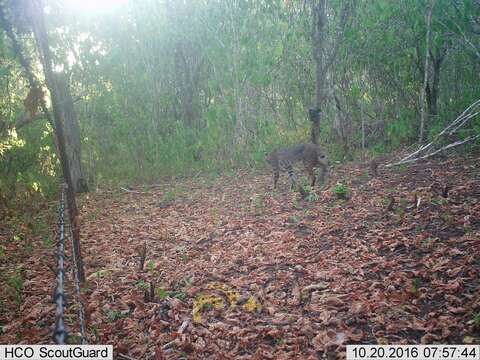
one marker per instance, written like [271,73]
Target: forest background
[164,88]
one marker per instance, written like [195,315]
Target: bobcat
[311,155]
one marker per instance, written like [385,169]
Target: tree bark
[318,48]
[73,143]
[40,31]
[432,88]
[188,65]
[421,136]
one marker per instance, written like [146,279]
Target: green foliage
[416,284]
[15,286]
[312,196]
[150,266]
[217,85]
[141,284]
[476,319]
[161,293]
[341,191]
[114,315]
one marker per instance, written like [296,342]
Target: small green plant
[341,191]
[47,242]
[447,218]
[141,284]
[161,293]
[439,201]
[419,229]
[114,315]
[400,211]
[17,237]
[170,195]
[74,339]
[94,330]
[312,196]
[207,306]
[293,219]
[258,204]
[15,283]
[151,265]
[476,319]
[416,283]
[180,295]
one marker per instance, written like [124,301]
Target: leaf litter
[235,270]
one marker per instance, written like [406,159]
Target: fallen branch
[457,143]
[469,113]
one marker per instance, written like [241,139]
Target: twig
[184,325]
[133,191]
[126,356]
[169,344]
[142,252]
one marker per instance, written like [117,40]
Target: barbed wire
[60,334]
[81,310]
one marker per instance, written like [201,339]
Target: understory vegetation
[135,137]
[169,88]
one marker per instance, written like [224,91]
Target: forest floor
[239,271]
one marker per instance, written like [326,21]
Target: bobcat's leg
[323,174]
[291,175]
[276,175]
[311,171]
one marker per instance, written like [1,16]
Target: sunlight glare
[94,6]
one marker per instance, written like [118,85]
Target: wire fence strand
[81,309]
[60,334]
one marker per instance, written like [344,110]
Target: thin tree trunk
[433,87]
[240,121]
[73,144]
[318,44]
[36,13]
[421,137]
[362,117]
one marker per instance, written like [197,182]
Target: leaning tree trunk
[73,144]
[41,37]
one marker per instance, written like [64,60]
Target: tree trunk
[318,44]
[433,87]
[73,144]
[421,136]
[40,31]
[188,65]
[240,126]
